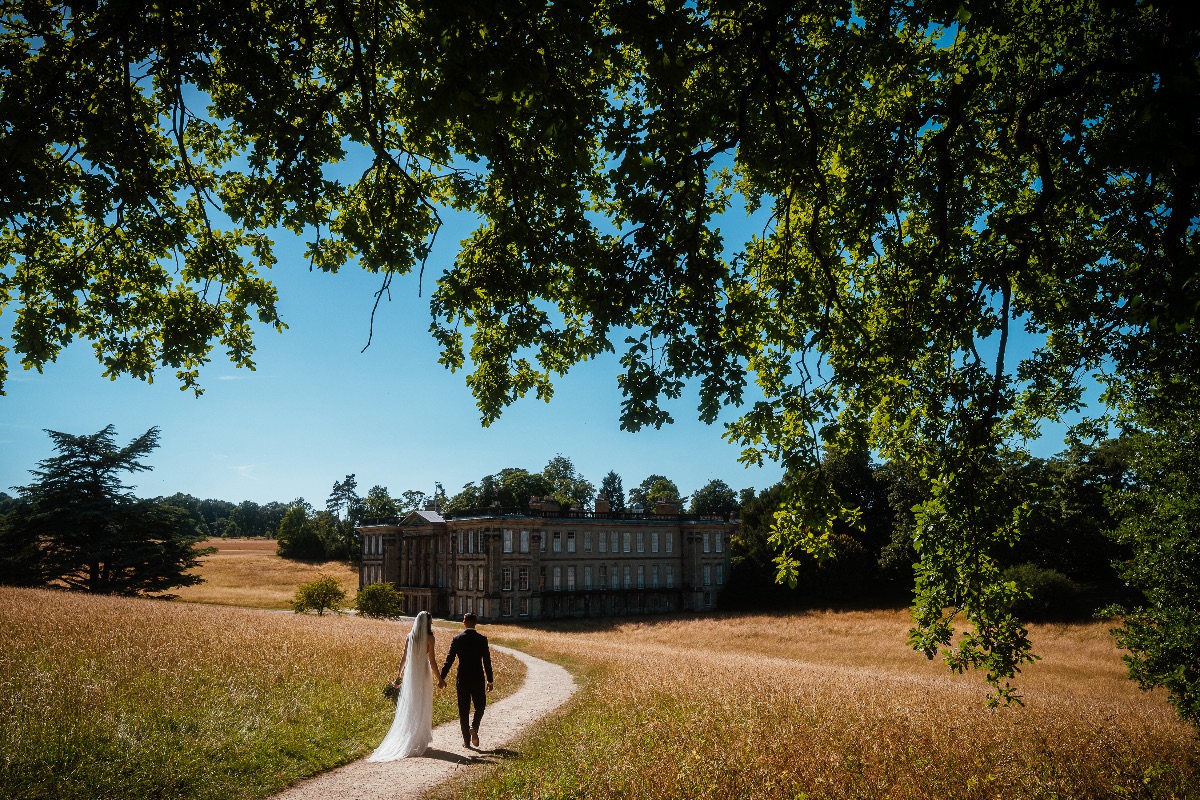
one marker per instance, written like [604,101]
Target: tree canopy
[936,180]
[77,525]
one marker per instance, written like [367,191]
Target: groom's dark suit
[474,665]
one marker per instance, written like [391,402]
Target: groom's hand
[441,683]
[489,688]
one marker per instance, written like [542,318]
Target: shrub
[323,594]
[1052,595]
[380,600]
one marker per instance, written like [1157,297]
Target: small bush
[379,600]
[323,594]
[1052,595]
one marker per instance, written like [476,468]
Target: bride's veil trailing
[411,730]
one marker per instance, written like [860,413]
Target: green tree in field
[321,595]
[934,179]
[1159,516]
[297,535]
[78,525]
[379,600]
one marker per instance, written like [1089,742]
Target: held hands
[441,683]
[489,686]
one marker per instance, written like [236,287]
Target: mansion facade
[550,563]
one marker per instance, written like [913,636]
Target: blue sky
[316,409]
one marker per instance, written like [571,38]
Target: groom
[474,659]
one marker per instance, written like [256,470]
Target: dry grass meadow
[106,697]
[248,573]
[118,698]
[834,705]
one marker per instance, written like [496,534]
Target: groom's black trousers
[470,693]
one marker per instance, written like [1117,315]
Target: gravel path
[546,687]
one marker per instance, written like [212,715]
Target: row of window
[608,541]
[571,578]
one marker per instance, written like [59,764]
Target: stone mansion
[550,562]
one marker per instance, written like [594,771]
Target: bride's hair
[423,630]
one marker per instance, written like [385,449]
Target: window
[654,541]
[441,578]
[542,579]
[641,577]
[462,541]
[570,541]
[603,542]
[616,579]
[523,606]
[603,576]
[654,577]
[506,579]
[707,542]
[506,607]
[460,606]
[708,599]
[707,575]
[462,580]
[523,579]
[720,574]
[570,579]
[557,585]
[508,543]
[587,578]
[627,539]
[470,579]
[641,541]
[628,578]
[542,539]
[524,541]
[587,541]
[670,577]
[557,542]
[670,537]
[719,542]
[470,605]
[612,539]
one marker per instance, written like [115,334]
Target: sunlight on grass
[248,573]
[833,705]
[121,698]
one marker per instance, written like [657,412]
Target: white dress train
[412,727]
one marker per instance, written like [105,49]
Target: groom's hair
[469,618]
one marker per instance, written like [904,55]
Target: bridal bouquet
[391,691]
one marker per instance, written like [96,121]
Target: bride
[412,728]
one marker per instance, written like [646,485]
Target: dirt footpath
[546,687]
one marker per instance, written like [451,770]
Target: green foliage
[935,179]
[378,504]
[321,595]
[653,489]
[1159,515]
[611,488]
[379,600]
[714,497]
[568,487]
[298,537]
[1046,594]
[79,526]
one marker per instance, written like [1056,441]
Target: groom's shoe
[475,738]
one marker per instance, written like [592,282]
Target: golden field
[834,705]
[120,698]
[248,573]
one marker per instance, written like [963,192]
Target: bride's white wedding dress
[412,727]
